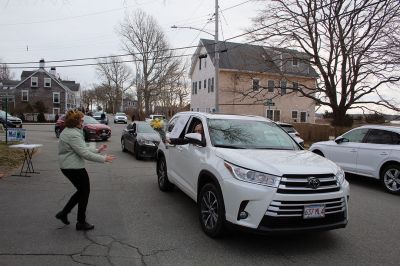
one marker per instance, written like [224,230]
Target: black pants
[80,179]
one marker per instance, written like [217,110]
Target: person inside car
[182,141]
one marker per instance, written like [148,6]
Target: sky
[67,29]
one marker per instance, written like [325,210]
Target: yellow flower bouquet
[158,125]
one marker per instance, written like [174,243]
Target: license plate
[314,211]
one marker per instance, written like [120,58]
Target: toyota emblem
[313,182]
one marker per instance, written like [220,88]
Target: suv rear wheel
[390,178]
[211,210]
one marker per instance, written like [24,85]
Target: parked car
[247,172]
[141,139]
[292,132]
[152,117]
[101,117]
[372,151]
[11,121]
[120,117]
[92,129]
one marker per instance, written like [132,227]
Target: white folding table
[27,165]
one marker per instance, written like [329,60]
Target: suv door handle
[383,153]
[179,148]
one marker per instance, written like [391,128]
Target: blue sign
[16,134]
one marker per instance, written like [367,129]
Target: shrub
[375,118]
[41,117]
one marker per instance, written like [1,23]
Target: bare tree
[117,77]
[5,73]
[88,98]
[143,38]
[353,45]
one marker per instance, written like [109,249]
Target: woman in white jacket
[72,153]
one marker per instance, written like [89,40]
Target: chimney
[53,71]
[41,63]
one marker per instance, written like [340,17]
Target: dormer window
[295,61]
[47,82]
[256,84]
[34,81]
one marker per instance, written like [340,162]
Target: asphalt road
[136,224]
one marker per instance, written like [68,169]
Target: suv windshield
[249,134]
[120,114]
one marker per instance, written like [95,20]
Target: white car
[372,151]
[289,128]
[120,117]
[246,171]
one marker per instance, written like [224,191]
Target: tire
[162,177]
[211,210]
[58,132]
[319,153]
[137,152]
[123,146]
[390,178]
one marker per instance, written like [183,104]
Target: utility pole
[216,58]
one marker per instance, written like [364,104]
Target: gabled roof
[248,57]
[71,85]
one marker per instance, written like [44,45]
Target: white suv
[248,172]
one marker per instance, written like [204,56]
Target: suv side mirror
[195,138]
[340,139]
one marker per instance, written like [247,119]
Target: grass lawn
[9,159]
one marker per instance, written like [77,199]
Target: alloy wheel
[161,172]
[391,179]
[209,210]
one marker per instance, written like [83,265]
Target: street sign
[269,102]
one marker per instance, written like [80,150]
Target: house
[253,80]
[56,94]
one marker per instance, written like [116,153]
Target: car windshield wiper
[228,146]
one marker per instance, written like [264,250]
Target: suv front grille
[298,184]
[289,214]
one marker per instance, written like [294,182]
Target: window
[25,96]
[270,114]
[34,81]
[205,83]
[271,85]
[200,85]
[294,114]
[209,85]
[303,117]
[274,115]
[56,111]
[277,115]
[283,87]
[295,85]
[47,82]
[56,97]
[192,87]
[256,84]
[195,88]
[212,85]
[378,136]
[295,61]
[356,135]
[200,63]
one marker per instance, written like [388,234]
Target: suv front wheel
[163,182]
[211,210]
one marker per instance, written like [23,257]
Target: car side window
[356,135]
[171,124]
[378,136]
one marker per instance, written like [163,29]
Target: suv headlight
[146,142]
[340,176]
[251,176]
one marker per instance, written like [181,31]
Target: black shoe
[84,226]
[63,217]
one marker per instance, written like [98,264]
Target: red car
[92,129]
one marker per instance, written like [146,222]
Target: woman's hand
[110,158]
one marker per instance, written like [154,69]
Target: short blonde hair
[73,118]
